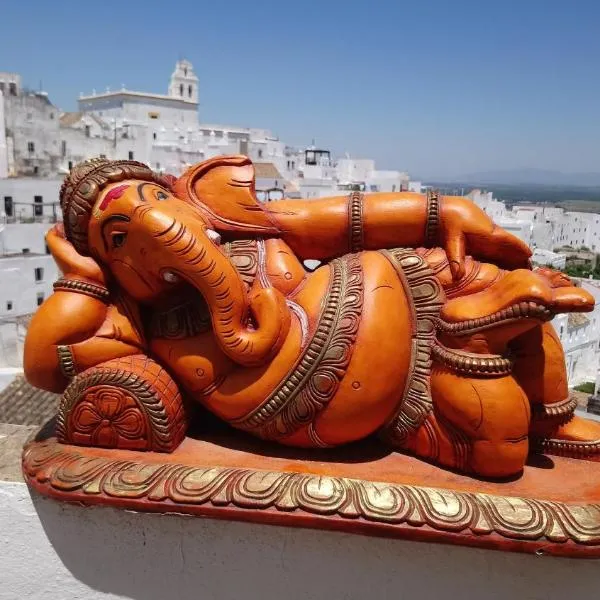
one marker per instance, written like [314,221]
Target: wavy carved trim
[426,296]
[315,378]
[64,472]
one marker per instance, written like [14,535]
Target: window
[39,273]
[181,89]
[38,209]
[154,135]
[36,170]
[40,298]
[189,91]
[88,131]
[260,153]
[30,147]
[9,305]
[153,115]
[131,155]
[2,86]
[157,166]
[103,156]
[70,165]
[12,89]
[52,115]
[63,148]
[8,206]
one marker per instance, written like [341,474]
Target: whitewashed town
[39,144]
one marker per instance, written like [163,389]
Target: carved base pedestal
[552,508]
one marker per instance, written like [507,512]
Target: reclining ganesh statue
[424,324]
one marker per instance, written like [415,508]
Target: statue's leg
[466,428]
[489,323]
[541,371]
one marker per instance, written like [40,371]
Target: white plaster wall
[3,146]
[19,285]
[54,551]
[23,191]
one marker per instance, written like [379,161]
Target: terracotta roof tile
[577,320]
[267,170]
[70,118]
[23,404]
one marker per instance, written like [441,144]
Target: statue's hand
[69,261]
[465,228]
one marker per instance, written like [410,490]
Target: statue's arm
[325,228]
[68,334]
[78,326]
[321,229]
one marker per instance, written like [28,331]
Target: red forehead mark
[112,195]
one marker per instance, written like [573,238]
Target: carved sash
[426,297]
[316,376]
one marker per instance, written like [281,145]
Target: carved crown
[81,188]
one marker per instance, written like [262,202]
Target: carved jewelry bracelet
[432,223]
[93,290]
[66,362]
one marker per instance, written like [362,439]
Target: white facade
[3,146]
[27,270]
[548,258]
[580,337]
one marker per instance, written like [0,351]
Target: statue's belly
[351,370]
[375,377]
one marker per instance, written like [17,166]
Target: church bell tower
[184,82]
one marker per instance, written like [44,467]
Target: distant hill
[531,177]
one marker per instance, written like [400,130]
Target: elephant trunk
[249,328]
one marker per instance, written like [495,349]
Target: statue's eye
[118,239]
[161,196]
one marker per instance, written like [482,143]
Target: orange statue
[424,325]
[445,357]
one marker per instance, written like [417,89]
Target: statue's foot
[578,438]
[519,301]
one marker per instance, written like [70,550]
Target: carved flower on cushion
[109,416]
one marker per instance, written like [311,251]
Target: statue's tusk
[170,277]
[213,236]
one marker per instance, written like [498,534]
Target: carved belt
[315,378]
[426,297]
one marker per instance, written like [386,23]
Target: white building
[580,336]
[547,258]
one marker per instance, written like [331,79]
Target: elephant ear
[223,189]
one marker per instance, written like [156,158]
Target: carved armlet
[432,224]
[99,292]
[355,222]
[470,364]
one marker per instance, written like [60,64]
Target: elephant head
[153,244]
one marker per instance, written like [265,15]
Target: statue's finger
[455,251]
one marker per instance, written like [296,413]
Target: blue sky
[436,87]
